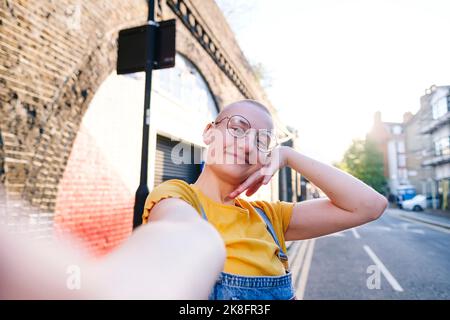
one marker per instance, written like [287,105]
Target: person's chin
[236,170]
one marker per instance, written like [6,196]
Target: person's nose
[249,142]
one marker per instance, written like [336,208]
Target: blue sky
[333,63]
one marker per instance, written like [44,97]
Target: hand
[276,161]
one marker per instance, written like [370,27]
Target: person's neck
[215,188]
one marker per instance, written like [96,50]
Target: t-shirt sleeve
[283,211]
[169,189]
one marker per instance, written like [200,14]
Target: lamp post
[146,48]
[142,191]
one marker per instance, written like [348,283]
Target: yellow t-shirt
[251,250]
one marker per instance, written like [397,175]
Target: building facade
[390,140]
[436,102]
[71,128]
[418,148]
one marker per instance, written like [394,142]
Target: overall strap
[203,212]
[269,227]
[281,254]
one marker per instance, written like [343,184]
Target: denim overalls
[235,287]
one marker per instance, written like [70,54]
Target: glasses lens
[238,126]
[266,140]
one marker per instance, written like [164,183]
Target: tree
[364,161]
[262,75]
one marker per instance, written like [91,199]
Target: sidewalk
[433,217]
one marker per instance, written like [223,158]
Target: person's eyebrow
[242,121]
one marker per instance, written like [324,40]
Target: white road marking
[419,231]
[389,277]
[384,228]
[297,260]
[355,233]
[300,292]
[405,226]
[336,234]
[437,228]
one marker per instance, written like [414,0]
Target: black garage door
[166,169]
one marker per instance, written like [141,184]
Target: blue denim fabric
[236,287]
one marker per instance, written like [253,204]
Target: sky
[333,63]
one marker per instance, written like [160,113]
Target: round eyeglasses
[239,127]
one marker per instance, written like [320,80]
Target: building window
[442,146]
[401,147]
[441,107]
[401,160]
[186,85]
[397,130]
[402,174]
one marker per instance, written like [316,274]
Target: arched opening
[96,194]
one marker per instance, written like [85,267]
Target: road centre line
[389,277]
[303,279]
[355,233]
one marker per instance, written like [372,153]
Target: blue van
[405,192]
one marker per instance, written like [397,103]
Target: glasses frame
[245,134]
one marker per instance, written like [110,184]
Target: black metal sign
[132,47]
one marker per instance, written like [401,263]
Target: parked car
[418,203]
[405,192]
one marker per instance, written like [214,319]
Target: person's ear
[207,133]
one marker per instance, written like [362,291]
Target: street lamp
[145,48]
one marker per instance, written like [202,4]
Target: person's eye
[238,131]
[262,144]
[263,141]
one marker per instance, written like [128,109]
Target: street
[391,258]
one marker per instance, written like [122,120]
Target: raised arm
[349,202]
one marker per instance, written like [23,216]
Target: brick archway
[53,65]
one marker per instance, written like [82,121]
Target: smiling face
[231,158]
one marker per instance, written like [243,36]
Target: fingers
[246,184]
[267,179]
[254,188]
[253,183]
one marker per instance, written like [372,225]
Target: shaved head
[248,102]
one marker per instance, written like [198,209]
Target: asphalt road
[391,258]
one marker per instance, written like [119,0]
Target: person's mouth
[240,160]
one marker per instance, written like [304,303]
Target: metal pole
[142,191]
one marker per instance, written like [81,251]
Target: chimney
[407,116]
[377,118]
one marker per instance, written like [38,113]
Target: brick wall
[92,202]
[54,55]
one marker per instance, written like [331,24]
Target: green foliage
[364,161]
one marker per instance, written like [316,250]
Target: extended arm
[165,259]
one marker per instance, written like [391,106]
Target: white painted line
[294,251]
[297,260]
[355,233]
[300,292]
[405,226]
[434,227]
[383,228]
[336,234]
[389,277]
